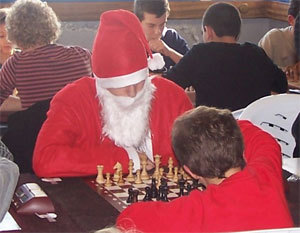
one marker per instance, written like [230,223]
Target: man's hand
[293,72]
[159,46]
[150,165]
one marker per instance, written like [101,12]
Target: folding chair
[276,115]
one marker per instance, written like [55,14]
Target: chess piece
[135,196]
[156,162]
[189,188]
[121,180]
[100,179]
[164,195]
[170,174]
[130,177]
[148,196]
[130,195]
[161,172]
[175,177]
[138,179]
[153,188]
[117,168]
[181,183]
[108,181]
[144,174]
[181,172]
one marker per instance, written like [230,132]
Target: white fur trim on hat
[124,80]
[156,62]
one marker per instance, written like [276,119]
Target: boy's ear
[190,172]
[291,20]
[210,33]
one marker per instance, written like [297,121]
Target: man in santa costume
[120,114]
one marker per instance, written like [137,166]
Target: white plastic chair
[276,115]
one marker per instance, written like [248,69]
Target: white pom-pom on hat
[156,62]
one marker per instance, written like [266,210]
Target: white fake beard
[125,120]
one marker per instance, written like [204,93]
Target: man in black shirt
[224,73]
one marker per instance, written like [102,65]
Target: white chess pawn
[144,174]
[156,162]
[100,178]
[130,177]
[138,179]
[108,181]
[175,177]
[170,166]
[121,180]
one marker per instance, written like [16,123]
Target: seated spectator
[279,44]
[122,114]
[153,15]
[9,174]
[42,67]
[224,73]
[239,164]
[5,46]
[38,72]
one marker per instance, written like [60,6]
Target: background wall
[83,33]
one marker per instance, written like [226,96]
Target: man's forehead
[153,19]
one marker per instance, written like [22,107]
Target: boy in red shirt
[239,164]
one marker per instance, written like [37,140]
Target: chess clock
[29,198]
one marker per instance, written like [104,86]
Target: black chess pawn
[130,195]
[181,183]
[160,193]
[164,196]
[189,188]
[153,189]
[195,184]
[135,196]
[147,196]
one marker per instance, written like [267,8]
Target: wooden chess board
[117,195]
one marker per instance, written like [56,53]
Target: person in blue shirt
[153,15]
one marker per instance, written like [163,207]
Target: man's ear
[291,20]
[190,173]
[210,33]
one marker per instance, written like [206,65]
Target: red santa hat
[120,50]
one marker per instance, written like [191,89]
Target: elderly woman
[38,72]
[5,45]
[42,68]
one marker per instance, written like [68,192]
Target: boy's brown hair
[208,141]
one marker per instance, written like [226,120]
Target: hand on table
[293,72]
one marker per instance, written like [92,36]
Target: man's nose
[158,31]
[131,91]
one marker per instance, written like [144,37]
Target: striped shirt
[40,73]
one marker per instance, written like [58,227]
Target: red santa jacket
[248,200]
[70,142]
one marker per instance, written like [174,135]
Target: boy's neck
[225,39]
[228,173]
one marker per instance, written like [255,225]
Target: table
[80,209]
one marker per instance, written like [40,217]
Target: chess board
[117,195]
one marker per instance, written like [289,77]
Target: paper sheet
[8,223]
